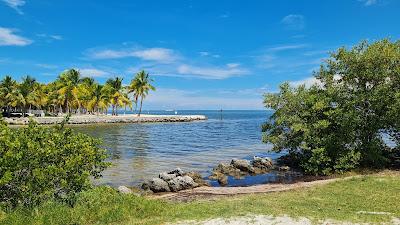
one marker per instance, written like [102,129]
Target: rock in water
[262,163]
[167,176]
[177,172]
[224,168]
[181,183]
[156,185]
[124,190]
[284,168]
[197,178]
[242,165]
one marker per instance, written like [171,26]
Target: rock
[197,178]
[124,190]
[156,185]
[224,168]
[242,165]
[284,168]
[262,163]
[167,176]
[181,183]
[177,172]
[220,177]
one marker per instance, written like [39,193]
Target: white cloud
[163,55]
[9,38]
[15,4]
[232,65]
[369,2]
[293,22]
[91,72]
[211,72]
[308,82]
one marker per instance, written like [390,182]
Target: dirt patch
[266,220]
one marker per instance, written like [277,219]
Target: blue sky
[201,54]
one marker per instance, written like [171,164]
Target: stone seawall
[92,119]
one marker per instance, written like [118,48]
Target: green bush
[46,163]
[337,124]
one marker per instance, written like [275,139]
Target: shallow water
[141,151]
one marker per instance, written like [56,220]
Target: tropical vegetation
[72,93]
[345,120]
[40,163]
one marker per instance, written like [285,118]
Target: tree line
[350,118]
[72,93]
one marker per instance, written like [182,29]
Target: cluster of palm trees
[72,93]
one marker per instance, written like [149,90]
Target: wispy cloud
[51,37]
[165,98]
[212,72]
[162,55]
[15,4]
[46,66]
[286,47]
[369,2]
[294,22]
[9,38]
[92,72]
[57,37]
[209,54]
[187,70]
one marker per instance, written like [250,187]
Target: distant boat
[176,112]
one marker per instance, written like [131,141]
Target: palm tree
[68,87]
[7,86]
[98,99]
[126,101]
[140,87]
[114,89]
[38,97]
[26,93]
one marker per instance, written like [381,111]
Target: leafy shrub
[41,163]
[337,124]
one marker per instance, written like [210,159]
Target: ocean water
[141,151]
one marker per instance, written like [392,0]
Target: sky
[205,54]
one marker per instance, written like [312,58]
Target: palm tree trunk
[141,103]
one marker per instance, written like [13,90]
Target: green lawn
[339,201]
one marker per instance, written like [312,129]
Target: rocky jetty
[239,168]
[174,181]
[93,119]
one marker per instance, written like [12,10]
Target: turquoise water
[141,151]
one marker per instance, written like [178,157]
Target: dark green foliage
[337,124]
[40,163]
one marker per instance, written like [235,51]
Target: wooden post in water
[221,114]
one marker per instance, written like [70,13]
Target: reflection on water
[141,151]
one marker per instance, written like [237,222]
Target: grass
[340,201]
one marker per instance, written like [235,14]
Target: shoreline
[104,119]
